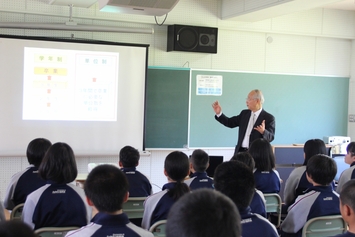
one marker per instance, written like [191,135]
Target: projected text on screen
[70,85]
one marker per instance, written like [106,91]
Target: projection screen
[89,94]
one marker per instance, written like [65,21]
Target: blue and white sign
[209,85]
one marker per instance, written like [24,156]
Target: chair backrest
[54,231]
[16,212]
[324,226]
[273,205]
[134,207]
[158,228]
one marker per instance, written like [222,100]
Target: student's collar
[169,185]
[128,169]
[244,211]
[199,174]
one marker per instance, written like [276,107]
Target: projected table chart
[70,85]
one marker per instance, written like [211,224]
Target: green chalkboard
[304,107]
[167,103]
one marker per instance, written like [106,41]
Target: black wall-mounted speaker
[192,39]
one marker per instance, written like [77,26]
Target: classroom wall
[314,42]
[351,109]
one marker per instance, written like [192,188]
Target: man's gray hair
[259,95]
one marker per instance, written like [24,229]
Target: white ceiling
[259,13]
[265,9]
[343,5]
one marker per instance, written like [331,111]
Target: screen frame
[88,42]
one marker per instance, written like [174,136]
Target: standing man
[253,122]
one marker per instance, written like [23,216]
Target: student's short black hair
[177,167]
[106,186]
[351,148]
[322,169]
[206,213]
[199,160]
[15,228]
[245,158]
[263,155]
[36,150]
[236,180]
[129,157]
[59,164]
[347,194]
[313,147]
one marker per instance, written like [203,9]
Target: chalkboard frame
[304,106]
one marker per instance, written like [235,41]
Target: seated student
[297,182]
[203,212]
[28,180]
[157,206]
[258,201]
[267,179]
[236,180]
[110,219]
[199,162]
[350,160]
[59,203]
[347,207]
[321,200]
[139,185]
[15,228]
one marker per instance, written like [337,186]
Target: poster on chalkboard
[209,85]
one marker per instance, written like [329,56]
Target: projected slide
[70,85]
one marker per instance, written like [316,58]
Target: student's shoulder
[348,171]
[189,181]
[140,231]
[87,230]
[155,197]
[18,175]
[259,222]
[141,174]
[298,171]
[346,234]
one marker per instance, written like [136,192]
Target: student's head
[236,180]
[199,160]
[261,150]
[129,157]
[321,169]
[245,158]
[255,100]
[347,201]
[59,164]
[206,213]
[36,150]
[176,168]
[15,228]
[350,153]
[106,187]
[313,147]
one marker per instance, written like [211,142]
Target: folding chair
[54,231]
[134,207]
[16,212]
[273,205]
[158,228]
[324,226]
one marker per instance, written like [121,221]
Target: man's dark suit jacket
[242,121]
